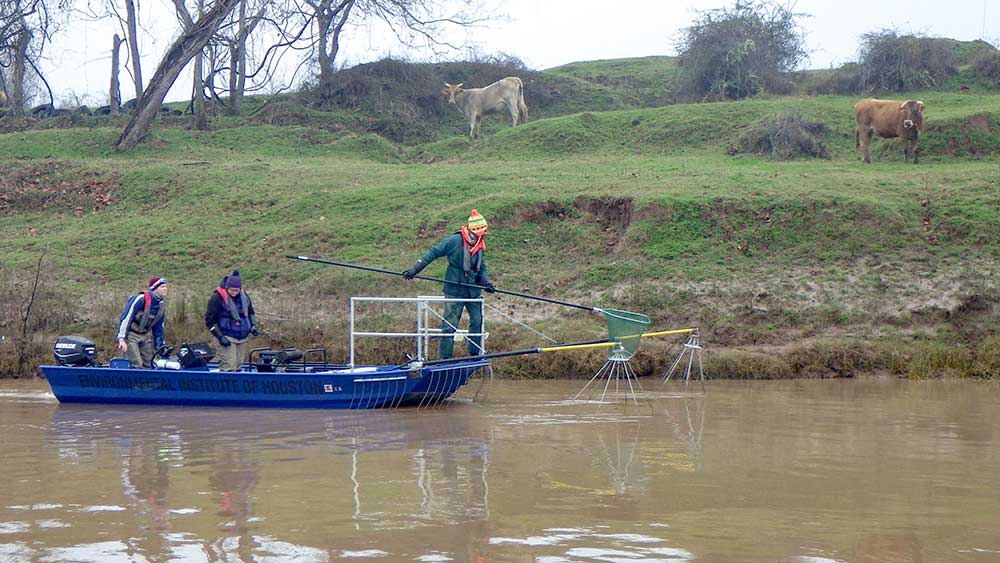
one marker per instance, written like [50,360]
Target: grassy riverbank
[816,267]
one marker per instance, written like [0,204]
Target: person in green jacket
[466,252]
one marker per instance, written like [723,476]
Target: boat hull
[365,387]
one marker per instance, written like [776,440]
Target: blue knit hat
[233,280]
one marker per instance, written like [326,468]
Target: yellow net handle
[615,343]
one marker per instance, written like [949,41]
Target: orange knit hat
[477,223]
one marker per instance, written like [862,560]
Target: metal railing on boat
[425,308]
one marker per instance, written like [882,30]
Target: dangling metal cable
[519,323]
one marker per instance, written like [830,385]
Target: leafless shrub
[784,137]
[896,63]
[988,68]
[739,51]
[29,307]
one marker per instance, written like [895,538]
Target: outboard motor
[75,351]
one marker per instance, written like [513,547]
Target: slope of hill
[642,81]
[815,267]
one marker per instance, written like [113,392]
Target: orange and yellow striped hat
[477,223]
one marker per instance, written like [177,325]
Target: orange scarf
[480,243]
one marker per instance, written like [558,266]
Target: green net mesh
[624,327]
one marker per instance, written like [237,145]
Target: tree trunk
[184,48]
[198,99]
[3,88]
[19,70]
[323,21]
[335,44]
[200,120]
[237,62]
[133,45]
[234,96]
[115,93]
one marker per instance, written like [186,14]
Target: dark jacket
[461,266]
[218,313]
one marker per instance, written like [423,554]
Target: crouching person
[230,318]
[140,328]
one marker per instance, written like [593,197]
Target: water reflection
[685,416]
[810,472]
[179,469]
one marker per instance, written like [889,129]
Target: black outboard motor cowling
[75,351]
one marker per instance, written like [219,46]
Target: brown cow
[477,102]
[888,118]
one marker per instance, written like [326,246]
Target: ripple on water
[272,550]
[364,553]
[14,527]
[103,508]
[36,506]
[623,546]
[16,551]
[434,558]
[39,396]
[642,555]
[105,552]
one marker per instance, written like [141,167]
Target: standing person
[466,252]
[140,328]
[230,318]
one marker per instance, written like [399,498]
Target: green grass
[642,81]
[754,251]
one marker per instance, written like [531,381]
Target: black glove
[217,333]
[414,270]
[253,326]
[489,287]
[164,351]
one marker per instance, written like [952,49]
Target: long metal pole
[439,280]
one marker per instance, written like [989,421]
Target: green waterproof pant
[452,315]
[231,357]
[140,349]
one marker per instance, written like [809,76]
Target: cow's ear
[444,91]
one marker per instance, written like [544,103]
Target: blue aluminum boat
[316,386]
[272,378]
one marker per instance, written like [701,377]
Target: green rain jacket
[462,267]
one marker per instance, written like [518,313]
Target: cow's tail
[522,108]
[857,138]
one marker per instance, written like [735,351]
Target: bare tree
[115,93]
[26,26]
[414,23]
[238,53]
[19,57]
[131,27]
[331,15]
[183,49]
[24,338]
[200,121]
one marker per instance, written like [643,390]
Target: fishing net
[625,328]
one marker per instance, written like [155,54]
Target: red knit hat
[156,282]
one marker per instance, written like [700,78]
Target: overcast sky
[547,33]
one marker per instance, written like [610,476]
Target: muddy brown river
[811,471]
